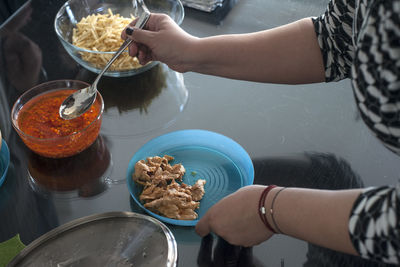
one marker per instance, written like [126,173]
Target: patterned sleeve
[334,34]
[374,226]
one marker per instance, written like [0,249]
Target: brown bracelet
[261,208]
[271,211]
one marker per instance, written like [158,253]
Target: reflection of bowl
[129,93]
[136,92]
[74,10]
[45,132]
[140,104]
[81,175]
[222,162]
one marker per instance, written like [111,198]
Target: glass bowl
[59,146]
[74,10]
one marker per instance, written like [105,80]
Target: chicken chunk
[163,189]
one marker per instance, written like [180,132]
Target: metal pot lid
[107,239]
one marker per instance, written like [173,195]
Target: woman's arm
[320,217]
[317,216]
[287,54]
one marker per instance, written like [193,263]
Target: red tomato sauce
[47,134]
[40,117]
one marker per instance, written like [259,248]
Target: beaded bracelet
[271,211]
[261,208]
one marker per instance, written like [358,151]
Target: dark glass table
[305,135]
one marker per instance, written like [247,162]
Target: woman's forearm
[320,217]
[288,54]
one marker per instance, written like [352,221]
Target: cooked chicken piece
[176,169]
[168,158]
[152,192]
[198,190]
[162,193]
[157,168]
[182,187]
[188,214]
[170,211]
[142,171]
[171,176]
[178,194]
[171,206]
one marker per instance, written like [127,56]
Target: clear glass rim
[14,111]
[61,10]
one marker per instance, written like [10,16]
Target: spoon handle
[119,51]
[144,17]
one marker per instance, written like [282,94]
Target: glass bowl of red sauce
[35,116]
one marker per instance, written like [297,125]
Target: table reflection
[35,214]
[224,254]
[82,175]
[149,101]
[137,92]
[22,56]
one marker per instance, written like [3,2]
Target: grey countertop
[303,135]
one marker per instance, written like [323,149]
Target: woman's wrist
[263,209]
[271,204]
[266,209]
[192,55]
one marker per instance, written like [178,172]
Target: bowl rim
[92,51]
[14,110]
[74,225]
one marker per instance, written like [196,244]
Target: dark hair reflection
[82,175]
[128,93]
[225,254]
[21,56]
[308,170]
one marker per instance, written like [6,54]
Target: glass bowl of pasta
[90,31]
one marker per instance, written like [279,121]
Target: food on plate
[164,191]
[102,33]
[39,120]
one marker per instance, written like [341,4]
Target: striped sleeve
[374,226]
[334,33]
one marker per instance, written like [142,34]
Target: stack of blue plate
[4,161]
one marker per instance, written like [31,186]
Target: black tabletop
[304,135]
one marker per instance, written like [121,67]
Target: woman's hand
[235,218]
[162,40]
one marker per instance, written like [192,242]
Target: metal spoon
[79,102]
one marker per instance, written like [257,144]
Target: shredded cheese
[102,32]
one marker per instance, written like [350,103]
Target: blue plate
[4,161]
[222,162]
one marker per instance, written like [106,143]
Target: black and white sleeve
[334,34]
[374,225]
